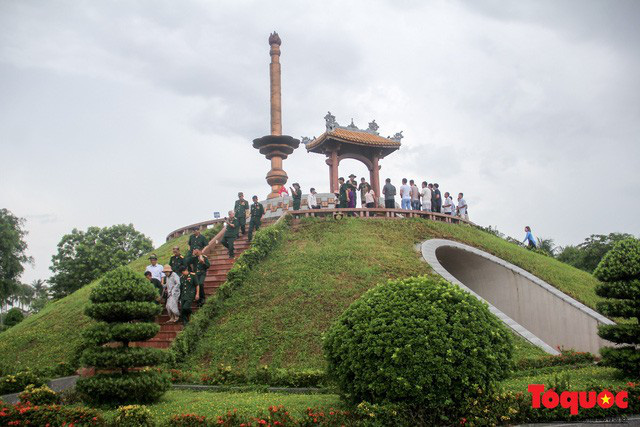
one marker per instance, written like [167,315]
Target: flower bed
[54,415]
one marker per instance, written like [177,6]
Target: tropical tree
[12,254]
[546,245]
[41,295]
[83,256]
[588,254]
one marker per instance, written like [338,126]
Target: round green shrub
[620,263]
[133,416]
[39,395]
[123,311]
[124,285]
[13,383]
[127,357]
[132,387]
[418,341]
[13,317]
[101,333]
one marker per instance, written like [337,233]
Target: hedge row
[264,241]
[264,376]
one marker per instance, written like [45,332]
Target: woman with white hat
[172,289]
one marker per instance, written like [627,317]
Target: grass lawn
[49,337]
[250,404]
[578,377]
[277,318]
[212,404]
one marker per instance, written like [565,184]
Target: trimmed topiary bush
[619,271]
[121,297]
[420,342]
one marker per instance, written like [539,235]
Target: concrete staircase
[216,276]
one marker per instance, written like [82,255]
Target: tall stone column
[274,75]
[276,147]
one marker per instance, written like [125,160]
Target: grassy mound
[277,318]
[50,337]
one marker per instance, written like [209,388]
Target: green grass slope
[277,318]
[45,339]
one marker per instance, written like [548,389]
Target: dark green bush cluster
[417,341]
[14,383]
[102,332]
[123,357]
[263,242]
[39,395]
[120,378]
[619,271]
[112,388]
[49,415]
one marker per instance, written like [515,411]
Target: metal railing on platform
[353,212]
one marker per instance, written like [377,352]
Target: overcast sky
[144,112]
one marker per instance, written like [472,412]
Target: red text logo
[574,400]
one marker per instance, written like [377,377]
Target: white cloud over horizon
[144,112]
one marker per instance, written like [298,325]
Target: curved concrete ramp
[534,309]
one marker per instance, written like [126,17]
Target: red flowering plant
[25,413]
[276,416]
[326,417]
[187,420]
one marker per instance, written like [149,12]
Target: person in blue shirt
[528,238]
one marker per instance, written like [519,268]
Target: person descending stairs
[216,276]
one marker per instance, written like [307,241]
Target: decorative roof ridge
[331,125]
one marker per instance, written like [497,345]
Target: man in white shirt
[312,200]
[447,204]
[155,269]
[462,207]
[425,193]
[405,195]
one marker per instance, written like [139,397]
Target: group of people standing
[180,283]
[428,198]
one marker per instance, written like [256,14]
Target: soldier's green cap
[153,256]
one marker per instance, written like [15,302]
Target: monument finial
[274,38]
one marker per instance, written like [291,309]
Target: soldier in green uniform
[188,293]
[241,212]
[177,260]
[198,263]
[255,217]
[344,190]
[296,194]
[231,233]
[196,240]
